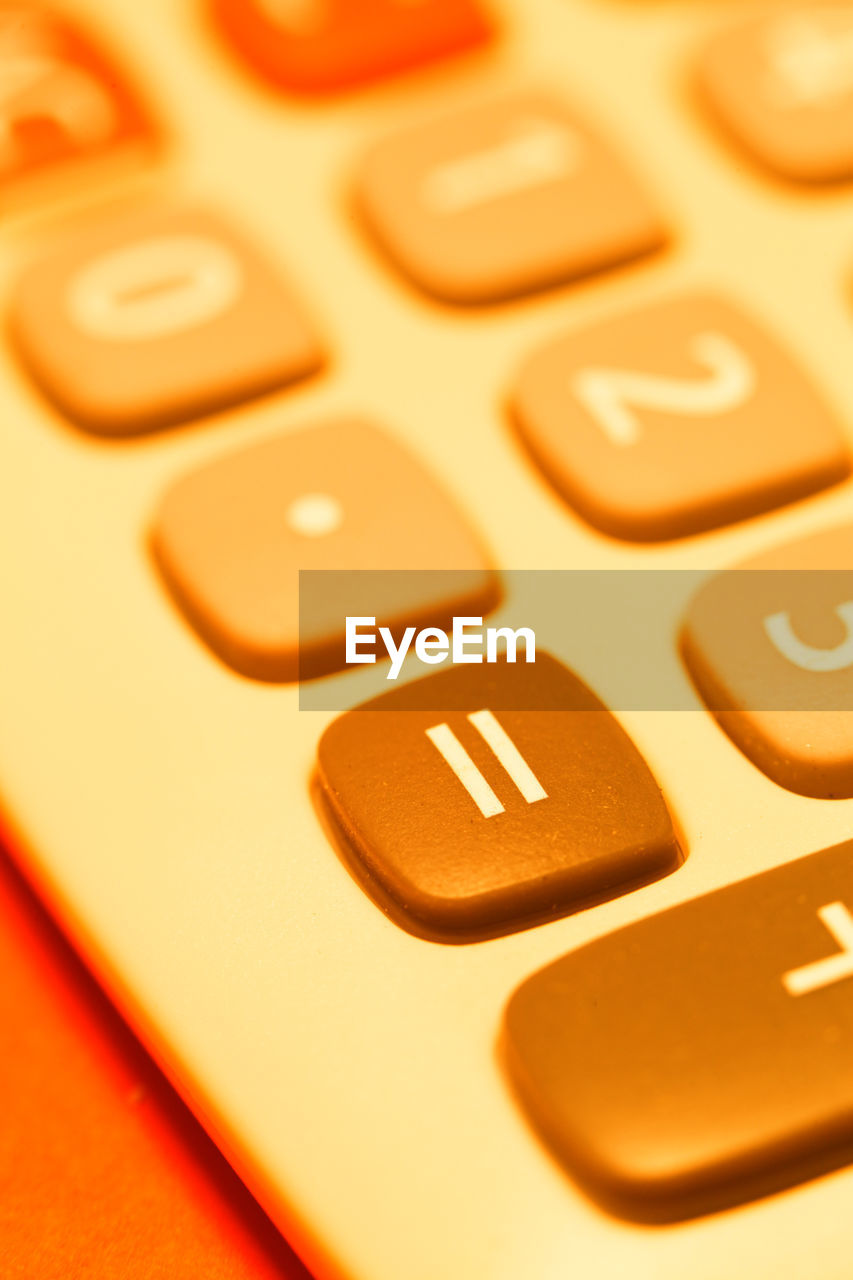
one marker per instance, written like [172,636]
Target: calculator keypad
[694,1059]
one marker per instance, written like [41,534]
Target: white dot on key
[315,515]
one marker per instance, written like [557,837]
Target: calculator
[426,545]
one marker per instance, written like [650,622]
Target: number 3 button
[675,419]
[770,648]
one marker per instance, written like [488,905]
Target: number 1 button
[504,199]
[469,808]
[700,1057]
[674,419]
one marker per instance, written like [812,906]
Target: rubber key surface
[782,87]
[326,46]
[504,199]
[769,645]
[470,808]
[63,101]
[675,418]
[700,1057]
[232,537]
[150,320]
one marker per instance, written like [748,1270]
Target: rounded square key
[468,823]
[700,1057]
[153,320]
[675,418]
[324,46]
[770,647]
[232,537]
[63,102]
[782,84]
[504,199]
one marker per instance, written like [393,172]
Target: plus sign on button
[701,1057]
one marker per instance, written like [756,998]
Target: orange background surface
[103,1170]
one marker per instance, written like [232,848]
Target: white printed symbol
[822,973]
[154,288]
[806,656]
[536,152]
[315,515]
[611,395]
[445,740]
[36,84]
[811,59]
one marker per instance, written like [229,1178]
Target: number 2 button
[675,419]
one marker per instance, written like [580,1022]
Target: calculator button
[504,199]
[783,87]
[231,538]
[700,1057]
[322,46]
[770,647]
[675,418]
[61,100]
[498,812]
[156,320]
